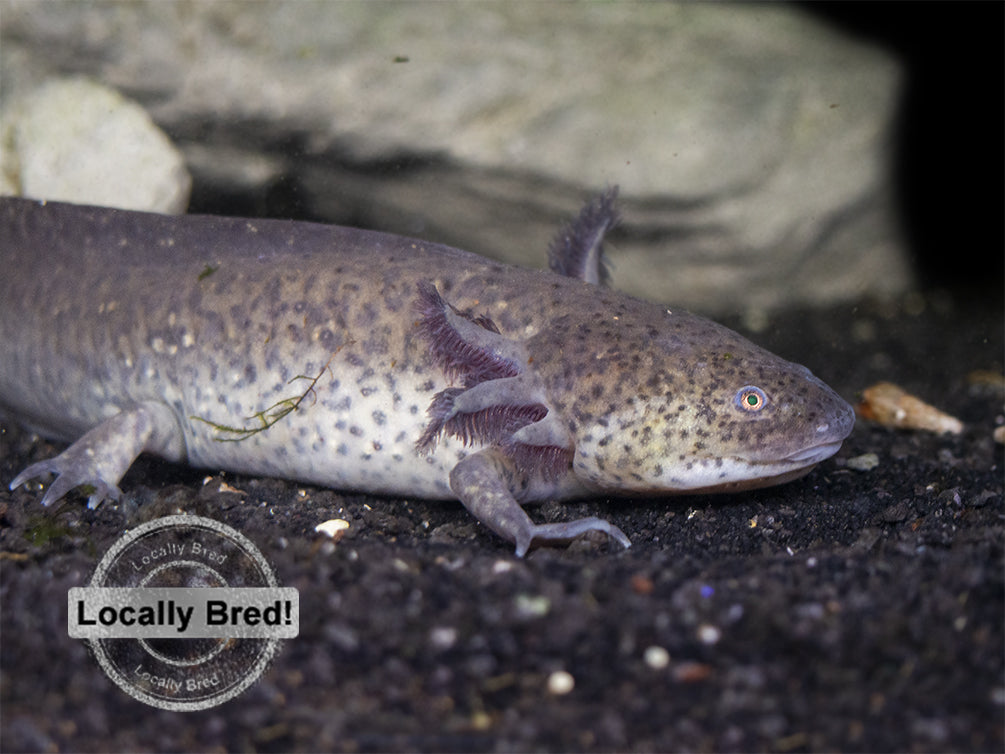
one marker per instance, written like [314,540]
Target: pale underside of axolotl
[367,361]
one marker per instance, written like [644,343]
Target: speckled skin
[155,332]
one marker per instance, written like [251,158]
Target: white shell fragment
[333,527]
[891,406]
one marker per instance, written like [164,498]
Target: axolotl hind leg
[502,407]
[101,457]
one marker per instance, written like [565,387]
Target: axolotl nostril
[367,361]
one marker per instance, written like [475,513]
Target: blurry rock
[750,142]
[79,141]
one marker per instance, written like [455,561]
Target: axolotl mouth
[750,474]
[743,474]
[813,455]
[769,469]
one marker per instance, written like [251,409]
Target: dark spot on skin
[343,404]
[329,340]
[705,412]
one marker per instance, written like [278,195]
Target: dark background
[950,145]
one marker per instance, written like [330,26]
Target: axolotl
[367,361]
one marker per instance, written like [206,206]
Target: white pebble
[864,462]
[656,658]
[709,634]
[560,682]
[443,637]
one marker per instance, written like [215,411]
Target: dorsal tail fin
[577,250]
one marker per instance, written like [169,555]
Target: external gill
[475,415]
[499,398]
[466,346]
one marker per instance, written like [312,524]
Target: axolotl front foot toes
[560,533]
[483,482]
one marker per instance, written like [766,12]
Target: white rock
[79,141]
[751,142]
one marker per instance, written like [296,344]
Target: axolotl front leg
[502,407]
[485,481]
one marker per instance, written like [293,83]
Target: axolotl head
[658,401]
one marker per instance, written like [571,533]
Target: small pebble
[864,462]
[560,683]
[532,606]
[709,634]
[443,637]
[656,658]
[642,584]
[691,672]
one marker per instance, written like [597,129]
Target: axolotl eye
[750,399]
